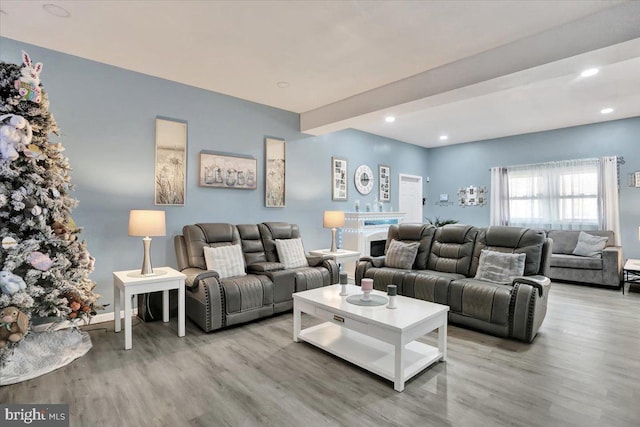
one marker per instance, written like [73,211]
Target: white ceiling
[470,69]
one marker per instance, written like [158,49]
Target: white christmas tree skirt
[42,352]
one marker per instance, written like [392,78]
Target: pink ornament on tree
[40,261]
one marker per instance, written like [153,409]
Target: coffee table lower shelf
[370,353]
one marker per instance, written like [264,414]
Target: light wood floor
[583,369]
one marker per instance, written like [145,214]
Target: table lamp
[333,220]
[146,224]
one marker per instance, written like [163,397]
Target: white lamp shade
[147,223]
[333,219]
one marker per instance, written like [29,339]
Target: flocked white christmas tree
[44,266]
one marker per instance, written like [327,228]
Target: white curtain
[499,204]
[555,195]
[608,209]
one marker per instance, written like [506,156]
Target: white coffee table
[378,339]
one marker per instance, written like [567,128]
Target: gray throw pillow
[500,267]
[401,255]
[589,245]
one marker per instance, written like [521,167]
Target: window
[558,195]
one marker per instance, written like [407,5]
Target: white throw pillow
[500,267]
[291,253]
[589,245]
[228,260]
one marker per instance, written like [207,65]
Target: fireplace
[362,228]
[376,247]
[366,232]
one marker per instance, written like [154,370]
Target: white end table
[126,284]
[343,256]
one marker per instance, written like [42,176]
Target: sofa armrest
[377,261]
[334,270]
[265,267]
[315,261]
[528,306]
[194,275]
[612,260]
[541,283]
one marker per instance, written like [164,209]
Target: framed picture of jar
[171,162]
[384,182]
[275,169]
[221,170]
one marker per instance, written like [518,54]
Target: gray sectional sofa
[444,272]
[213,302]
[605,270]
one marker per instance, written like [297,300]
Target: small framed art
[384,183]
[339,179]
[171,162]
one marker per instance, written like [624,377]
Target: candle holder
[343,284]
[392,291]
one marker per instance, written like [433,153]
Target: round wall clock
[364,179]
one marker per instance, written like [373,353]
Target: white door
[410,197]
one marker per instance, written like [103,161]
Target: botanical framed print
[220,170]
[171,162]
[384,183]
[339,179]
[275,172]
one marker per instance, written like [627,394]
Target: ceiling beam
[609,27]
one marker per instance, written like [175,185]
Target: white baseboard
[98,318]
[108,317]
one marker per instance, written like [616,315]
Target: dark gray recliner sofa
[213,303]
[444,271]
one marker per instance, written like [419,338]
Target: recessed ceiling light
[283,84]
[389,119]
[56,10]
[607,110]
[443,137]
[589,72]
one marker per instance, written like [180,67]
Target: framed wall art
[339,179]
[221,170]
[384,183]
[171,162]
[275,172]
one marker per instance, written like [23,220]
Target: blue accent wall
[468,164]
[107,118]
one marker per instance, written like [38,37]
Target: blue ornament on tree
[11,283]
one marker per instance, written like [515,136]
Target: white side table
[129,283]
[343,256]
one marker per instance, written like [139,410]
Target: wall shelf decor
[384,183]
[339,179]
[275,172]
[221,170]
[171,162]
[472,196]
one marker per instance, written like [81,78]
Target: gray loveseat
[213,302]
[444,271]
[605,270]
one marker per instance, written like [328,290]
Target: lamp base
[147,269]
[334,249]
